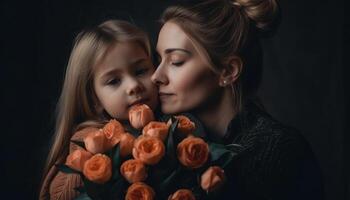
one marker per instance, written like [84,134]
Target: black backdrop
[303,80]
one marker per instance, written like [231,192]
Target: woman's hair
[76,106]
[224,28]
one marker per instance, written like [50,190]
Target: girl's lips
[141,101]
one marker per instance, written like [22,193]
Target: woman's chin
[169,110]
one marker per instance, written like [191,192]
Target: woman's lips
[164,96]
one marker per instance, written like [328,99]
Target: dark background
[304,79]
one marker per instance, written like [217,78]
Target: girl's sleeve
[63,186]
[60,186]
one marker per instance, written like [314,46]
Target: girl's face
[185,79]
[123,79]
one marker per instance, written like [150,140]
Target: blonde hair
[223,28]
[75,108]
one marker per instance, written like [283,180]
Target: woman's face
[123,79]
[184,77]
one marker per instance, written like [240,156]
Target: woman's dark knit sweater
[276,163]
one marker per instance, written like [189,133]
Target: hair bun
[262,12]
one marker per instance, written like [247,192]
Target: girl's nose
[134,86]
[159,76]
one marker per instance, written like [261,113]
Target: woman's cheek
[152,93]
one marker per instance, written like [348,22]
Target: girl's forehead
[123,53]
[121,56]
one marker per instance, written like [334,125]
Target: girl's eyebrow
[131,64]
[106,74]
[138,61]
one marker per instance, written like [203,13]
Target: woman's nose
[159,76]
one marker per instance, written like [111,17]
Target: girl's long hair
[76,105]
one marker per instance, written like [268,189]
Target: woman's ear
[231,72]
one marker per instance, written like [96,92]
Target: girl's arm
[58,185]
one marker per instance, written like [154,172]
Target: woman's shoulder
[277,156]
[259,125]
[272,143]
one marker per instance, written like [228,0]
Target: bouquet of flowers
[165,159]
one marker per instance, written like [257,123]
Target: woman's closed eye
[178,63]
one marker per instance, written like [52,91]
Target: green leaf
[83,196]
[133,131]
[118,189]
[227,161]
[116,155]
[164,118]
[223,155]
[80,189]
[94,190]
[116,161]
[217,151]
[79,143]
[171,146]
[235,147]
[174,123]
[66,169]
[170,180]
[197,192]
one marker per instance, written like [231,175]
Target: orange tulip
[182,194]
[96,142]
[140,115]
[126,144]
[77,159]
[149,150]
[156,129]
[98,168]
[212,178]
[193,152]
[185,126]
[133,171]
[113,131]
[140,191]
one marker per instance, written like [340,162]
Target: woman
[210,64]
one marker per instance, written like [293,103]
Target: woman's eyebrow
[168,51]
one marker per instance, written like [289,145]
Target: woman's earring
[224,82]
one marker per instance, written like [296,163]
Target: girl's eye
[115,81]
[178,63]
[141,71]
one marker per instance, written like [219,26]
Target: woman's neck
[217,116]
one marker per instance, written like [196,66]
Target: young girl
[109,70]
